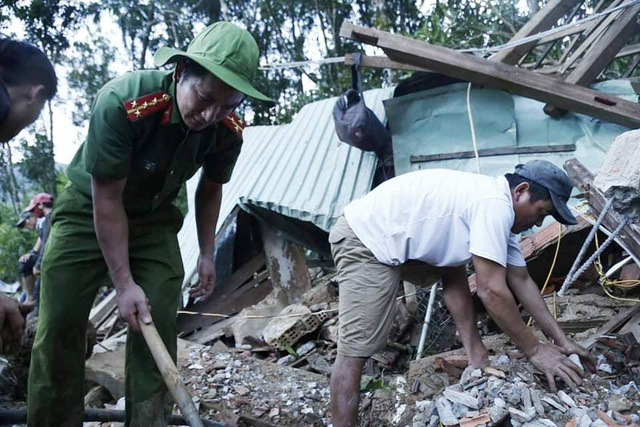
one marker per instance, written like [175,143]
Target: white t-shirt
[438,216]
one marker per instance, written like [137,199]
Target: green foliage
[38,164]
[471,24]
[48,23]
[89,71]
[13,242]
[147,26]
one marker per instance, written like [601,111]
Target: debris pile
[239,386]
[510,390]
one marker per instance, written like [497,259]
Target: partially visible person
[432,223]
[27,81]
[41,206]
[27,262]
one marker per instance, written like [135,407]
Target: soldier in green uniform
[149,132]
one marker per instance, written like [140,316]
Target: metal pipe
[427,319]
[595,255]
[585,246]
[19,417]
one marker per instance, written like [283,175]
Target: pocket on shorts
[335,236]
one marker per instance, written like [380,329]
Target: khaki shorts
[368,289]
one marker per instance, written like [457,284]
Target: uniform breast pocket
[145,177]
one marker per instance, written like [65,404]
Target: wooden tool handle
[170,374]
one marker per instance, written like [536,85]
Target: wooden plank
[243,274]
[617,321]
[489,152]
[582,179]
[541,21]
[501,76]
[103,309]
[602,52]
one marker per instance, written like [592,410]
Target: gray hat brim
[562,212]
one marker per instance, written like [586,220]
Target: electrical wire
[278,316]
[473,128]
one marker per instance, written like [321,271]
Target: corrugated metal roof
[300,170]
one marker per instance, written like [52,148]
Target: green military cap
[227,51]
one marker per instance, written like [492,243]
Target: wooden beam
[564,33]
[618,320]
[591,38]
[489,152]
[215,303]
[583,180]
[602,52]
[381,61]
[591,27]
[497,75]
[541,21]
[626,51]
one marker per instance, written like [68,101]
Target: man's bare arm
[526,290]
[207,204]
[458,299]
[499,301]
[112,230]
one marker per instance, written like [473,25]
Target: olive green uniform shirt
[155,158]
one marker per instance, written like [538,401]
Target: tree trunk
[11,180]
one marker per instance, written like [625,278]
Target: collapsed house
[259,351]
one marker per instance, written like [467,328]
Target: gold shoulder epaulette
[235,123]
[146,105]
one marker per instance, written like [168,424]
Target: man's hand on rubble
[133,305]
[548,359]
[568,347]
[207,274]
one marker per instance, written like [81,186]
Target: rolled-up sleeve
[110,138]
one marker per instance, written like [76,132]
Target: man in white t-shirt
[434,222]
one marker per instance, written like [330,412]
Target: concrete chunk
[461,398]
[619,175]
[445,411]
[537,404]
[522,416]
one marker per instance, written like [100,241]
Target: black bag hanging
[355,123]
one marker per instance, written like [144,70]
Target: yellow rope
[606,283]
[546,282]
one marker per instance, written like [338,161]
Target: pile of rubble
[236,386]
[509,390]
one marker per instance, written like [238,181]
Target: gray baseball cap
[555,180]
